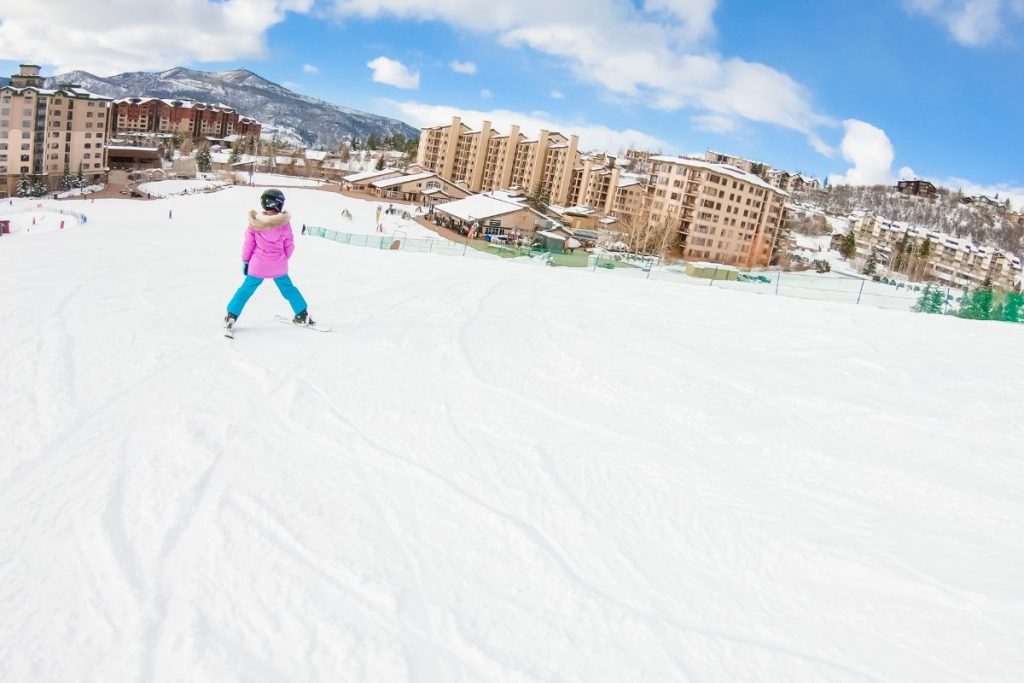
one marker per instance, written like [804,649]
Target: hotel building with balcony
[720,213]
[47,133]
[952,261]
[184,117]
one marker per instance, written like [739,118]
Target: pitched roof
[481,206]
[366,175]
[401,180]
[723,169]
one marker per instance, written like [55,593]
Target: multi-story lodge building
[550,164]
[721,213]
[184,117]
[952,261]
[47,133]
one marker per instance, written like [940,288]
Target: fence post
[778,280]
[465,247]
[862,282]
[650,267]
[596,261]
[431,249]
[945,303]
[713,276]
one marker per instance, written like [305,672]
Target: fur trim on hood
[261,221]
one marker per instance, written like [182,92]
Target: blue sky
[862,92]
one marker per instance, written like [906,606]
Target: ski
[318,327]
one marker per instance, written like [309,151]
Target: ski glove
[245,267]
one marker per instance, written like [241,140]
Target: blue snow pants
[248,288]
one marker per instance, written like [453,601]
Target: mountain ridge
[293,116]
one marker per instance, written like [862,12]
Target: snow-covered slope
[488,472]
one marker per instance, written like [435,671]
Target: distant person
[265,252]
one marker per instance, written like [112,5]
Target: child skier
[265,252]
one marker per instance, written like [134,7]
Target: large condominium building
[951,261]
[184,117]
[721,213]
[47,133]
[484,160]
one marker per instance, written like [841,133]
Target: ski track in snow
[487,471]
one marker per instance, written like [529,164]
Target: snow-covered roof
[552,235]
[723,169]
[70,90]
[627,182]
[578,210]
[506,196]
[480,206]
[401,180]
[316,154]
[367,175]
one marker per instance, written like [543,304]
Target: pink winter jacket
[268,244]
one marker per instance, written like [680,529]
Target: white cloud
[486,94]
[659,57]
[393,72]
[310,69]
[462,67]
[557,95]
[714,123]
[869,150]
[971,22]
[592,137]
[147,35]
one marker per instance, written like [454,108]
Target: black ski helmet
[272,199]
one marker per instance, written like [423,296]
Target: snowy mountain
[310,120]
[489,471]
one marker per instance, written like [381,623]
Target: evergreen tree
[904,249]
[931,300]
[1011,308]
[24,187]
[66,183]
[539,199]
[80,177]
[380,163]
[871,265]
[203,161]
[38,186]
[372,142]
[235,155]
[976,305]
[848,246]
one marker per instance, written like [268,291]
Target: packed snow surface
[277,180]
[164,188]
[487,472]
